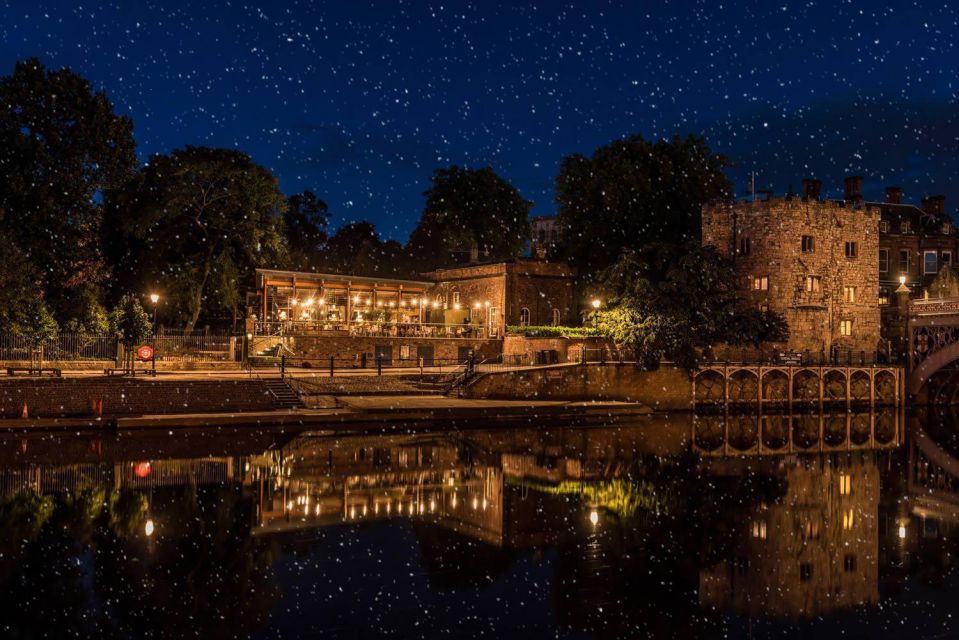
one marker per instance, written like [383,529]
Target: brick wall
[775,229]
[73,396]
[567,349]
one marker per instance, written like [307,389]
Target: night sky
[361,101]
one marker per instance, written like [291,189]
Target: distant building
[545,236]
[811,260]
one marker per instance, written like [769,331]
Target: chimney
[811,188]
[853,188]
[474,254]
[894,195]
[934,205]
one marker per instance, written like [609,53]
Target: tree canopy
[470,210]
[195,224]
[669,303]
[306,219]
[61,147]
[633,192]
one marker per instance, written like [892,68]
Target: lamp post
[154,298]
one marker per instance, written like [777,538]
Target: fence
[333,366]
[371,329]
[69,347]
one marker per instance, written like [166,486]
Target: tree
[470,210]
[37,325]
[670,303]
[358,249]
[131,324]
[633,192]
[305,219]
[195,224]
[61,147]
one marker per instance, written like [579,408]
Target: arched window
[556,317]
[524,317]
[456,297]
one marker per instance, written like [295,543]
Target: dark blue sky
[361,101]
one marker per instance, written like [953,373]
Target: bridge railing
[822,357]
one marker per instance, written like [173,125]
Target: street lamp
[596,302]
[154,298]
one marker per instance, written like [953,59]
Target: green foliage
[305,222]
[36,323]
[631,191]
[469,209]
[130,322]
[63,146]
[195,224]
[127,512]
[554,332]
[669,303]
[357,248]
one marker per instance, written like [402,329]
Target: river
[716,526]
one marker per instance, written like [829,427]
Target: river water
[717,526]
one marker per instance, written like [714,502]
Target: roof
[896,213]
[339,277]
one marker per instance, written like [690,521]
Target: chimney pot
[853,189]
[811,188]
[894,195]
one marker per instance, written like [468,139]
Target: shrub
[556,332]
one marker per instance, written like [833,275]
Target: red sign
[145,353]
[142,469]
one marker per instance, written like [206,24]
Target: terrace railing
[371,329]
[70,347]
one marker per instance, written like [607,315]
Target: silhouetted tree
[306,219]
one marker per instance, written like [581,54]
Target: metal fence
[68,347]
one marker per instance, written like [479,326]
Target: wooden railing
[371,329]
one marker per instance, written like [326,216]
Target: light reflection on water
[673,527]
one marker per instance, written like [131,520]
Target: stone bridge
[787,386]
[933,341]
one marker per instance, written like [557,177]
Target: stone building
[811,260]
[545,236]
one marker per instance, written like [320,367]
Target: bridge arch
[924,370]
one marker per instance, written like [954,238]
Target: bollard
[379,364]
[25,413]
[331,366]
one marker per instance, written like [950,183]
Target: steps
[285,397]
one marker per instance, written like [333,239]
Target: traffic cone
[24,413]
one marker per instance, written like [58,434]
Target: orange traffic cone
[24,413]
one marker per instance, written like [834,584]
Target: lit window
[813,284]
[852,249]
[745,246]
[883,295]
[884,226]
[808,246]
[849,294]
[761,283]
[556,317]
[884,261]
[845,328]
[524,317]
[845,484]
[759,529]
[848,519]
[456,297]
[930,262]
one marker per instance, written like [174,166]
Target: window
[883,295]
[764,308]
[813,284]
[845,484]
[761,283]
[883,226]
[904,261]
[849,562]
[845,327]
[930,262]
[904,226]
[884,261]
[808,246]
[848,519]
[852,249]
[805,571]
[945,260]
[759,529]
[524,317]
[849,294]
[456,298]
[946,228]
[556,317]
[744,245]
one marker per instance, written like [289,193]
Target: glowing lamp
[154,298]
[149,527]
[596,303]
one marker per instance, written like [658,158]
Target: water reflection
[676,526]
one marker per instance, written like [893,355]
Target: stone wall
[346,349]
[567,349]
[774,229]
[667,388]
[124,396]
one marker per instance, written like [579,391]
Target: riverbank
[360,413]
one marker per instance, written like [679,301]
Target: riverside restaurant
[301,303]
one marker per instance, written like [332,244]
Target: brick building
[545,236]
[513,292]
[814,261]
